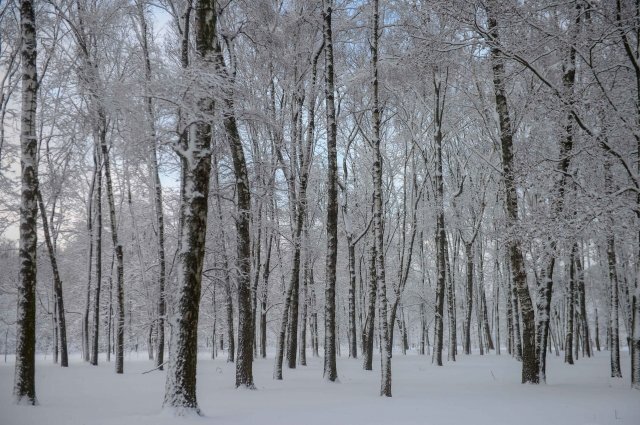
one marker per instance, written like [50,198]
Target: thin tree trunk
[468,249]
[367,334]
[222,241]
[568,346]
[244,359]
[98,243]
[119,345]
[87,305]
[61,323]
[157,193]
[263,300]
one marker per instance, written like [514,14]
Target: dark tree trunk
[222,241]
[244,358]
[87,305]
[330,370]
[263,300]
[98,224]
[468,249]
[369,324]
[530,370]
[568,345]
[119,345]
[582,304]
[61,323]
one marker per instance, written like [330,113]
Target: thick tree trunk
[530,370]
[180,389]
[24,389]
[330,370]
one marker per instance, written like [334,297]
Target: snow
[475,389]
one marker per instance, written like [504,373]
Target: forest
[291,184]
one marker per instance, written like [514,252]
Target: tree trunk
[98,243]
[61,323]
[386,340]
[367,334]
[244,359]
[568,346]
[468,249]
[222,241]
[330,371]
[530,370]
[180,389]
[263,300]
[87,305]
[119,345]
[157,192]
[24,389]
[441,248]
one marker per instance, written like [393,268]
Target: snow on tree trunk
[180,389]
[330,370]
[24,388]
[441,237]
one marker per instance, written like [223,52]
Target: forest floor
[473,390]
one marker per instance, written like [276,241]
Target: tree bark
[244,358]
[530,370]
[57,285]
[441,237]
[24,389]
[119,345]
[369,324]
[330,370]
[180,389]
[98,267]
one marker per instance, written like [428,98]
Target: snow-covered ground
[474,390]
